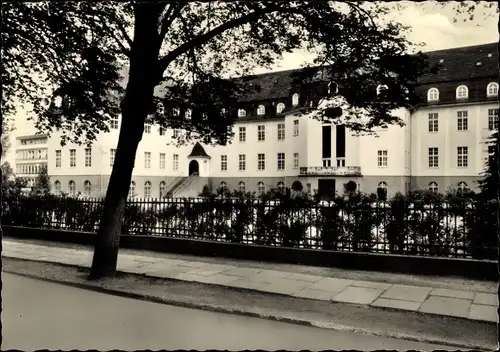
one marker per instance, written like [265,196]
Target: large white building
[443,143]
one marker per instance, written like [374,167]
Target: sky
[431,24]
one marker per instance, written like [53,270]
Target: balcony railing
[330,171]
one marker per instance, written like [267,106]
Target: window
[57,187]
[462,121]
[381,88]
[341,162]
[72,187]
[242,134]
[295,99]
[281,131]
[87,188]
[188,114]
[58,158]
[261,110]
[131,190]
[492,119]
[175,134]
[223,163]
[112,154]
[462,92]
[113,122]
[241,187]
[433,94]
[462,186]
[382,158]
[281,187]
[382,185]
[433,122]
[162,161]
[176,162]
[280,107]
[327,162]
[147,189]
[88,157]
[72,158]
[223,186]
[295,160]
[242,162]
[147,128]
[295,128]
[161,131]
[261,161]
[261,188]
[261,133]
[162,187]
[242,113]
[433,187]
[492,89]
[433,157]
[147,160]
[281,161]
[462,153]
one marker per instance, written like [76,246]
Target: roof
[198,151]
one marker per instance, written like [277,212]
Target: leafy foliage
[42,183]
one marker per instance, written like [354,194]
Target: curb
[227,310]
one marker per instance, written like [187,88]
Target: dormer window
[433,94]
[295,99]
[333,88]
[492,89]
[462,92]
[280,107]
[261,110]
[242,113]
[188,114]
[381,87]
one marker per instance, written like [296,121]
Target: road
[42,315]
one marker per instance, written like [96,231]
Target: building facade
[442,145]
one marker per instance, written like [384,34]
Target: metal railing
[330,170]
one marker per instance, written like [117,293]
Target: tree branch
[169,17]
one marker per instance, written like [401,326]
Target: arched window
[462,92]
[280,107]
[131,190]
[433,94]
[433,187]
[241,186]
[381,88]
[382,185]
[242,113]
[188,114]
[72,187]
[281,186]
[147,189]
[163,188]
[223,187]
[261,188]
[261,110]
[87,188]
[57,187]
[297,186]
[333,88]
[295,99]
[492,89]
[462,186]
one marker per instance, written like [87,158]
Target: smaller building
[31,156]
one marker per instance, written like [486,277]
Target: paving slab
[242,272]
[210,270]
[268,276]
[455,307]
[396,304]
[192,264]
[371,284]
[407,293]
[251,285]
[358,295]
[483,313]
[170,272]
[310,293]
[217,279]
[445,292]
[489,299]
[286,287]
[331,284]
[304,277]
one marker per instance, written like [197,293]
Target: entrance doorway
[326,189]
[194,167]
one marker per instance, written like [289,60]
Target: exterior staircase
[174,186]
[185,187]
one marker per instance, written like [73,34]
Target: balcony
[330,171]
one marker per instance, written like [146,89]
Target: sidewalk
[470,301]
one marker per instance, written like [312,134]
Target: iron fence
[447,230]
